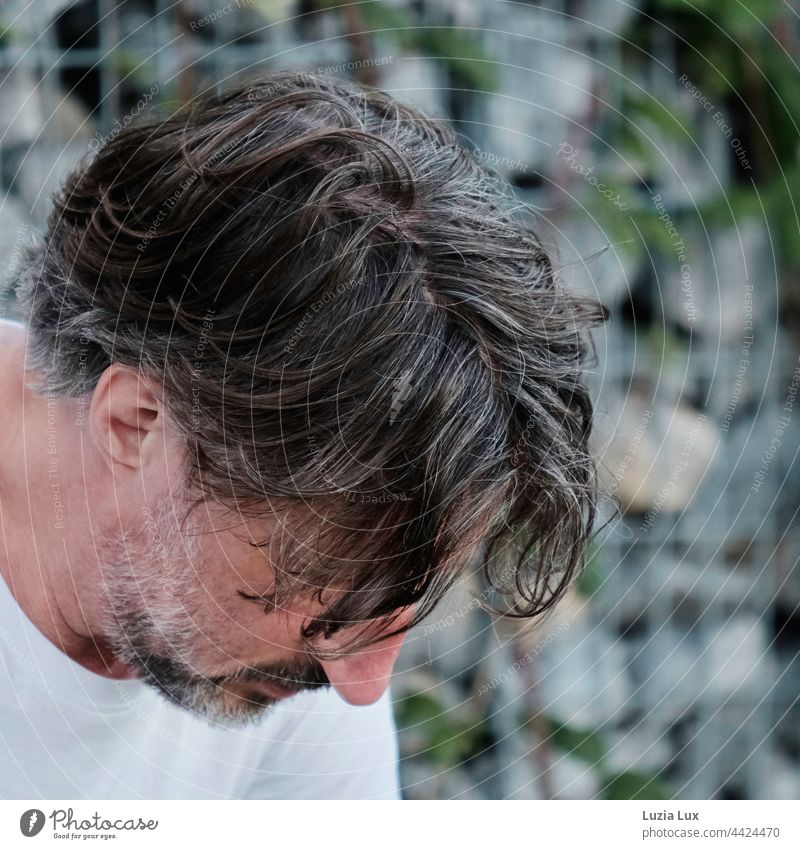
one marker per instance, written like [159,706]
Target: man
[290,366]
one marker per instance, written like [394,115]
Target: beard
[151,591]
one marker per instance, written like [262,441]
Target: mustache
[300,676]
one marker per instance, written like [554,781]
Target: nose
[362,678]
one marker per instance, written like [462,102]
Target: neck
[53,575]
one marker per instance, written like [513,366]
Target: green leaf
[417,709]
[586,745]
[446,741]
[7,34]
[391,22]
[460,51]
[641,106]
[735,17]
[592,576]
[635,785]
[781,90]
[463,54]
[130,66]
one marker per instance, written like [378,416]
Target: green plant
[589,747]
[444,740]
[459,50]
[740,57]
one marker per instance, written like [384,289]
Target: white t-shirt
[67,733]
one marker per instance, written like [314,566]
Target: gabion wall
[672,667]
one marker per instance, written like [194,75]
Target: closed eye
[267,600]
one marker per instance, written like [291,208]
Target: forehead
[250,549]
[299,532]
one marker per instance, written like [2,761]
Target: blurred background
[657,143]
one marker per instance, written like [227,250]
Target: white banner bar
[375,825]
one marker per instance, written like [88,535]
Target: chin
[235,713]
[215,704]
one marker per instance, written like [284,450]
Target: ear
[126,419]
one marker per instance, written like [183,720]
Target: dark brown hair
[350,326]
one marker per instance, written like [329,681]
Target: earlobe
[125,417]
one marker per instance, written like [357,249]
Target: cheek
[231,629]
[230,626]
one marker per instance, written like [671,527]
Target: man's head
[322,369]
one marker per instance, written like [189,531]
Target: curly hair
[349,322]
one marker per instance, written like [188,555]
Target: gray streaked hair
[352,329]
